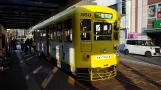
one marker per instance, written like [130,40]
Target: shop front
[155,33]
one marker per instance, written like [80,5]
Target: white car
[141,47]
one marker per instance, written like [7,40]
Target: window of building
[150,21]
[123,6]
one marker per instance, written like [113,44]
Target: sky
[105,2]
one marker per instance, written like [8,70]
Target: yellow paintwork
[92,48]
[80,62]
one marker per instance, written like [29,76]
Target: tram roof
[68,10]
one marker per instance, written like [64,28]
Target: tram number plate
[102,57]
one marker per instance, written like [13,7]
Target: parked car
[141,47]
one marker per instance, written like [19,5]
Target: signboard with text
[157,24]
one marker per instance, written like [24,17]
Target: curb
[79,84]
[75,81]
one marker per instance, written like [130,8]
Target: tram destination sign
[103,15]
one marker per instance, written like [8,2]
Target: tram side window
[44,36]
[54,36]
[85,27]
[59,32]
[51,33]
[68,30]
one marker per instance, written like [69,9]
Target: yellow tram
[83,40]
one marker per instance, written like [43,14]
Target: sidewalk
[46,75]
[13,78]
[30,72]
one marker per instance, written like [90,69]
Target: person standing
[22,44]
[26,45]
[30,44]
[10,44]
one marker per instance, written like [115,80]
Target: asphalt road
[151,60]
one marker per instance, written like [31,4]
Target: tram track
[87,85]
[131,84]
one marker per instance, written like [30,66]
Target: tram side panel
[63,52]
[41,42]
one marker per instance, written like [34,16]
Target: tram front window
[102,31]
[85,27]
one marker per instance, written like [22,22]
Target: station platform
[31,72]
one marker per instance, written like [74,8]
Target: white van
[141,47]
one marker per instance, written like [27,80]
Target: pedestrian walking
[10,44]
[30,44]
[22,44]
[26,45]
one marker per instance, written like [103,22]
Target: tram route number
[103,57]
[85,14]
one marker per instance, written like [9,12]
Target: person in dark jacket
[10,44]
[30,44]
[26,45]
[14,42]
[22,44]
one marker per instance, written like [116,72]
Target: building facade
[154,21]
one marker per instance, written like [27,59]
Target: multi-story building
[154,21]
